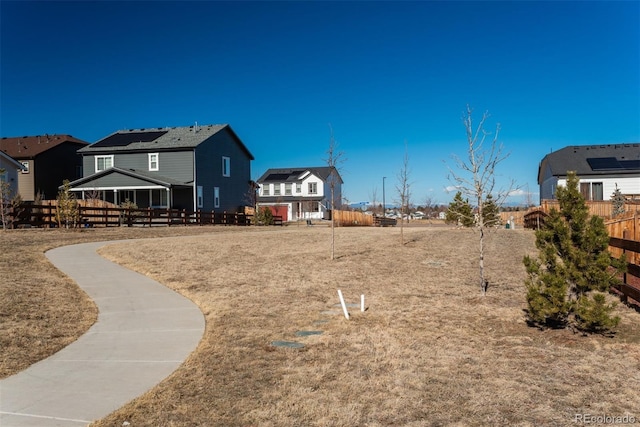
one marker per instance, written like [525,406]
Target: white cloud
[518,192]
[450,188]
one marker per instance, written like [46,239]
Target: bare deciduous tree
[374,199]
[5,200]
[429,207]
[477,174]
[403,187]
[334,159]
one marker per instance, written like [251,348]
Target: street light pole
[384,210]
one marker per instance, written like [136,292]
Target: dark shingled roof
[294,174]
[27,147]
[152,139]
[590,160]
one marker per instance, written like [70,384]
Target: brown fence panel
[518,217]
[626,227]
[351,218]
[624,238]
[107,214]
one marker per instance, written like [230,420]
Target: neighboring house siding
[54,166]
[88,165]
[11,175]
[26,182]
[209,165]
[626,184]
[177,165]
[320,188]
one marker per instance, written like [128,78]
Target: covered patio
[117,185]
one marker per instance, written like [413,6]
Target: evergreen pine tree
[617,202]
[490,212]
[460,212]
[566,284]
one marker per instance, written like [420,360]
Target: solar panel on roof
[276,177]
[630,164]
[604,163]
[123,139]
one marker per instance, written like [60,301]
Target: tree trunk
[483,282]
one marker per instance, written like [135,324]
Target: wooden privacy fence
[348,218]
[534,217]
[624,238]
[110,215]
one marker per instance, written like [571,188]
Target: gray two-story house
[194,168]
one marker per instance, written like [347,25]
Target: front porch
[117,186]
[296,210]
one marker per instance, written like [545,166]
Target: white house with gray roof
[599,167]
[300,193]
[194,168]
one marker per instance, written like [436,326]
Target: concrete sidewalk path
[143,333]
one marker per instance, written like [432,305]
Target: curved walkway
[143,333]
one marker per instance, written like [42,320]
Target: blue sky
[380,73]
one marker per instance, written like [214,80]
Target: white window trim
[110,156]
[226,166]
[25,164]
[200,196]
[157,156]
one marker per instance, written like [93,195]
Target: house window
[25,165]
[216,197]
[159,198]
[287,189]
[298,188]
[265,189]
[226,166]
[276,190]
[200,196]
[313,188]
[596,191]
[591,190]
[154,164]
[104,162]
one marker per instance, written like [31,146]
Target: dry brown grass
[41,310]
[429,351]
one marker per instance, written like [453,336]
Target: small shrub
[264,216]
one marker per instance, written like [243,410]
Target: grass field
[430,350]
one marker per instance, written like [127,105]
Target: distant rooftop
[30,146]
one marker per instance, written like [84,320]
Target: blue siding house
[195,168]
